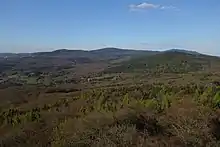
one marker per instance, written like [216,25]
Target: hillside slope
[63,58]
[169,61]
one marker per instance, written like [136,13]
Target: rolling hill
[63,58]
[118,60]
[175,61]
[104,53]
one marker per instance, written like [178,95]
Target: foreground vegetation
[147,115]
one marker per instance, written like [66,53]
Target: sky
[43,25]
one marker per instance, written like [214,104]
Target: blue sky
[42,25]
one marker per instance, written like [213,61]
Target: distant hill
[63,53]
[118,60]
[183,51]
[109,52]
[63,58]
[99,54]
[104,53]
[116,53]
[174,61]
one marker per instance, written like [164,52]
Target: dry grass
[147,114]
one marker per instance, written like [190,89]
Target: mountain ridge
[96,51]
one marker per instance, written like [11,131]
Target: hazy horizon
[38,25]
